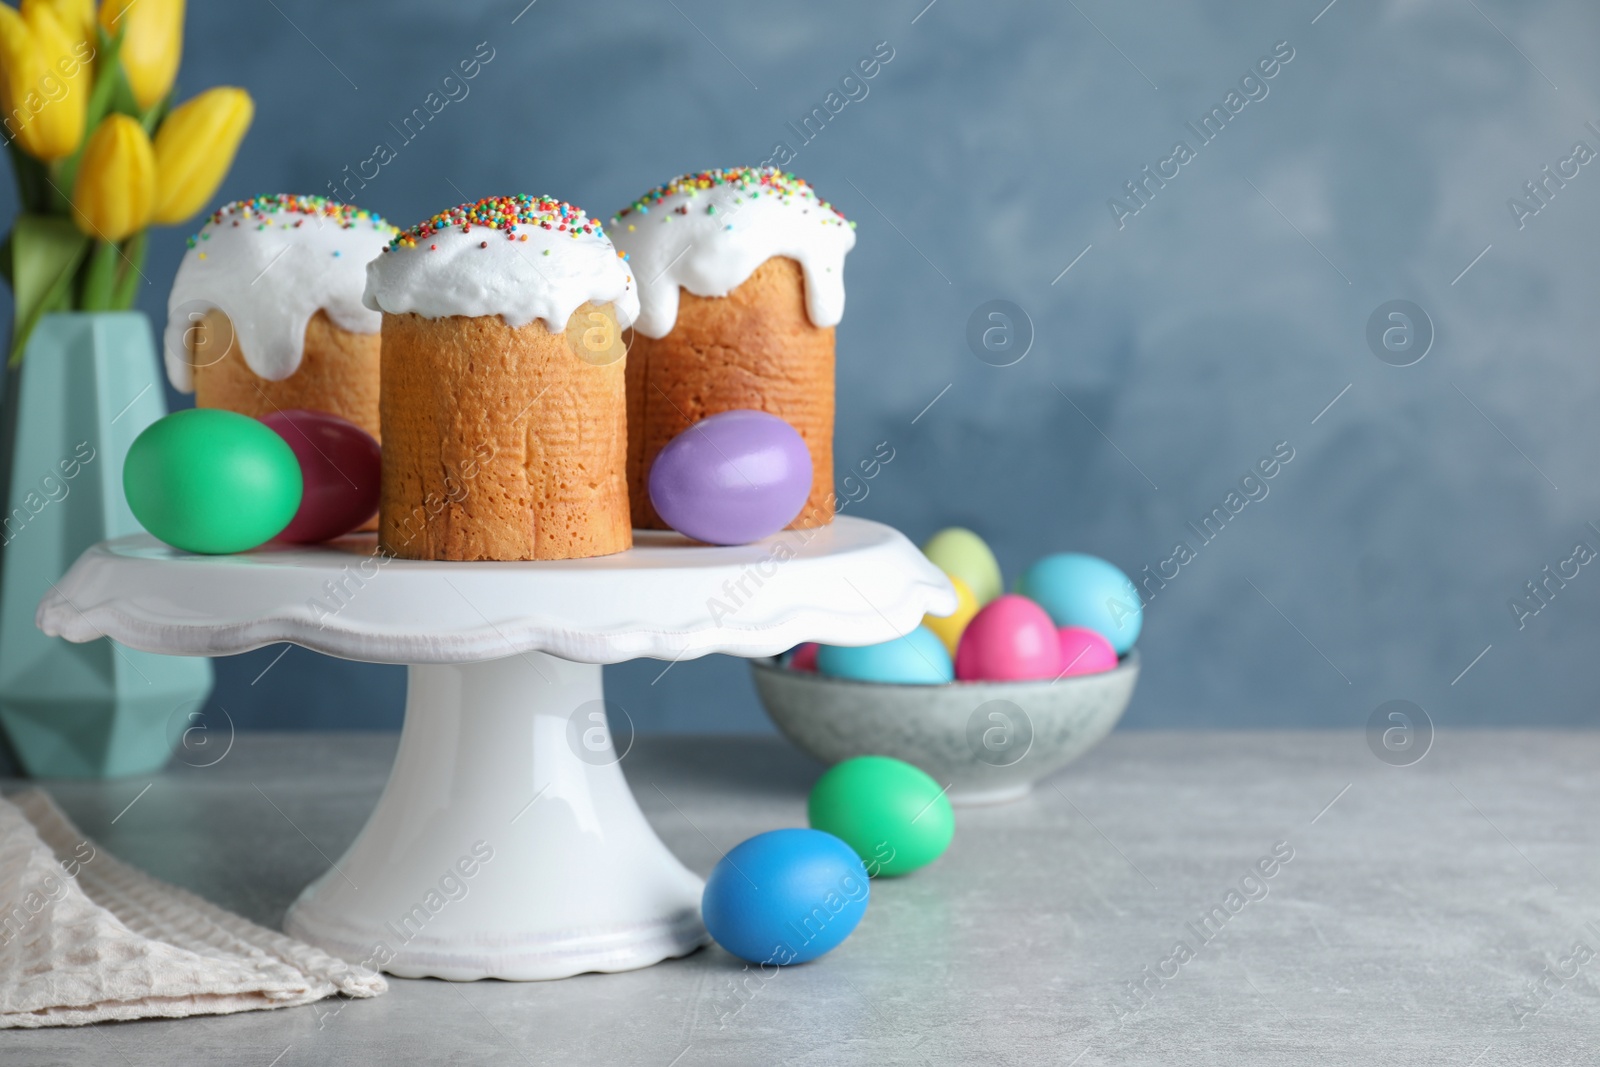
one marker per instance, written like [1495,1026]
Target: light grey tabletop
[1429,915]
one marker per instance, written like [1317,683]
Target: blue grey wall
[1186,341]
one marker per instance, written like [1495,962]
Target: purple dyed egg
[340,464]
[732,478]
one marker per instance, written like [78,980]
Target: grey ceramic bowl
[989,741]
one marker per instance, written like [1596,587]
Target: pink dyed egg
[1011,639]
[340,466]
[1084,651]
[805,657]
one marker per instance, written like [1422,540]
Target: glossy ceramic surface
[506,770]
[988,741]
[506,761]
[852,582]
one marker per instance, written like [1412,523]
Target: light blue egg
[1083,590]
[918,658]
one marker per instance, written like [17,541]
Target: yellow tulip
[71,73]
[44,85]
[194,148]
[75,16]
[152,43]
[21,70]
[116,187]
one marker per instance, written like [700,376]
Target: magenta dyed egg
[340,465]
[1084,651]
[732,478]
[804,657]
[1011,639]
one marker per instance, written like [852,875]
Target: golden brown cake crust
[338,374]
[500,443]
[754,348]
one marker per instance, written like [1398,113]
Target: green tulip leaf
[108,75]
[100,279]
[157,112]
[123,102]
[130,271]
[45,254]
[33,179]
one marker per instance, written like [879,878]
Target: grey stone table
[1443,913]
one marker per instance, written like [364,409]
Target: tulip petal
[75,16]
[194,148]
[63,85]
[115,189]
[22,69]
[152,44]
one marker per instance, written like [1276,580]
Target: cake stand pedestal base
[506,843]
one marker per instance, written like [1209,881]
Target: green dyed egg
[893,815]
[212,481]
[963,554]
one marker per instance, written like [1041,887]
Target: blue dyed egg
[785,896]
[732,478]
[1083,590]
[918,658]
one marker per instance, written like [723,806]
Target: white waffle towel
[85,938]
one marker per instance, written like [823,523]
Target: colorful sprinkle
[753,181]
[266,212]
[503,214]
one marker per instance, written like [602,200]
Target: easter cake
[741,283]
[503,401]
[266,315]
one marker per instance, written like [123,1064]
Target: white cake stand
[507,843]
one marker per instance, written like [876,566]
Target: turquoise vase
[87,386]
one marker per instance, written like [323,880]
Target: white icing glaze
[540,271]
[722,234]
[270,269]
